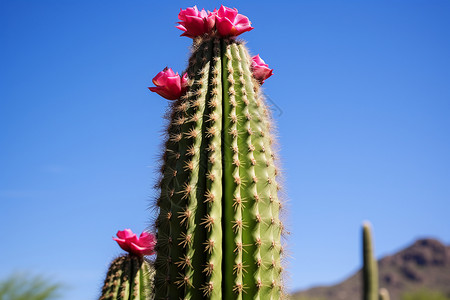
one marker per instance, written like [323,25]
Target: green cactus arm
[370,268]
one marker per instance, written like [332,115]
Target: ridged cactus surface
[218,229]
[370,268]
[129,278]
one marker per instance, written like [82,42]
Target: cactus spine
[370,268]
[218,229]
[129,278]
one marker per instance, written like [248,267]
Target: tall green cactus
[370,268]
[218,229]
[129,278]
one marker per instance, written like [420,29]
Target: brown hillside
[424,264]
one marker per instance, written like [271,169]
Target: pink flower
[230,23]
[141,246]
[195,22]
[169,84]
[260,69]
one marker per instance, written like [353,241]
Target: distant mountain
[424,264]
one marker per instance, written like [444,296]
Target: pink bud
[194,22]
[230,23]
[169,84]
[128,241]
[260,69]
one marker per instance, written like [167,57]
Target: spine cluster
[218,229]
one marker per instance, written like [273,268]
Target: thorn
[175,137]
[251,148]
[259,284]
[192,133]
[185,261]
[185,239]
[249,131]
[209,268]
[179,121]
[238,225]
[209,197]
[254,179]
[258,218]
[259,262]
[185,215]
[208,221]
[239,247]
[210,176]
[237,202]
[273,244]
[256,196]
[183,281]
[237,180]
[207,289]
[213,102]
[195,104]
[234,132]
[186,190]
[190,150]
[182,107]
[188,165]
[258,242]
[239,267]
[233,117]
[274,284]
[212,117]
[211,132]
[239,288]
[211,148]
[209,245]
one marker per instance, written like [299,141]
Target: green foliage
[26,287]
[424,295]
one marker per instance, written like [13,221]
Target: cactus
[218,229]
[128,278]
[384,294]
[370,268]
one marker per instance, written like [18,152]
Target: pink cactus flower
[230,23]
[260,69]
[169,84]
[128,241]
[194,22]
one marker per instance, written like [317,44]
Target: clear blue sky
[361,97]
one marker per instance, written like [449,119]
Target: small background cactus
[129,278]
